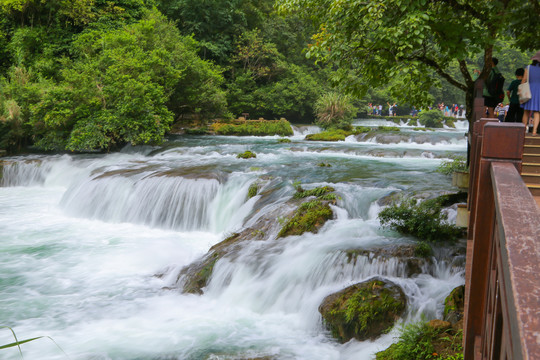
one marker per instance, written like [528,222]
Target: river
[83,237]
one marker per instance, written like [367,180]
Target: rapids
[84,236]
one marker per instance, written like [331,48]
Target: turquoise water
[83,237]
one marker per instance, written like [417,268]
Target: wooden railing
[502,289]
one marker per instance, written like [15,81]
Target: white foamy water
[91,244]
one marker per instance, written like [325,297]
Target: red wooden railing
[502,289]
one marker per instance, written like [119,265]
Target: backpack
[495,85]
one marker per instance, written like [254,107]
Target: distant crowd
[454,110]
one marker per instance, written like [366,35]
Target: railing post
[494,142]
[476,147]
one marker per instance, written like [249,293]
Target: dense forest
[82,75]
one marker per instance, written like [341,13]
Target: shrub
[431,118]
[334,110]
[309,217]
[448,167]
[423,220]
[420,341]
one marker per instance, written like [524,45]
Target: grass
[253,128]
[246,155]
[18,342]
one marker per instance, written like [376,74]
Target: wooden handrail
[502,290]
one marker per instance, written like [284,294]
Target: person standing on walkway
[492,92]
[532,73]
[515,112]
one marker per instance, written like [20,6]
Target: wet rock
[439,325]
[454,305]
[405,253]
[194,277]
[363,311]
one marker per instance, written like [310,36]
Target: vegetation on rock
[253,128]
[334,111]
[435,340]
[423,219]
[253,189]
[448,167]
[363,311]
[246,155]
[309,217]
[431,118]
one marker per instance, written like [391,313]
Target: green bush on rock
[309,217]
[424,220]
[431,118]
[363,311]
[435,340]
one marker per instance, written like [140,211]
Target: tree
[117,89]
[412,40]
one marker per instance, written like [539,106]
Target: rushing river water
[83,236]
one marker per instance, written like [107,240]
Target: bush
[419,341]
[423,220]
[448,167]
[334,110]
[388,128]
[431,118]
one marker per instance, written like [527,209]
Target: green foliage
[308,218]
[419,341]
[284,141]
[423,220]
[403,44]
[423,249]
[246,155]
[364,307]
[254,128]
[324,164]
[334,111]
[431,118]
[448,167]
[361,129]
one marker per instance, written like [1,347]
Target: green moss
[388,128]
[323,164]
[309,217]
[253,189]
[361,129]
[330,135]
[318,192]
[364,307]
[364,311]
[246,155]
[254,128]
[423,249]
[420,129]
[284,140]
[454,302]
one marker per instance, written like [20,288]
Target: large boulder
[364,310]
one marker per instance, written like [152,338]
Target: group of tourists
[520,108]
[454,110]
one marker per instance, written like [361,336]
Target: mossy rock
[406,254]
[246,155]
[363,311]
[194,278]
[454,305]
[253,189]
[284,140]
[309,217]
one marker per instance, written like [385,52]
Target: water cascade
[92,246]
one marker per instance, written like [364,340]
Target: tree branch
[439,70]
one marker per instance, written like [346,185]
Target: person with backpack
[493,90]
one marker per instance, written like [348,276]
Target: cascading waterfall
[91,245]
